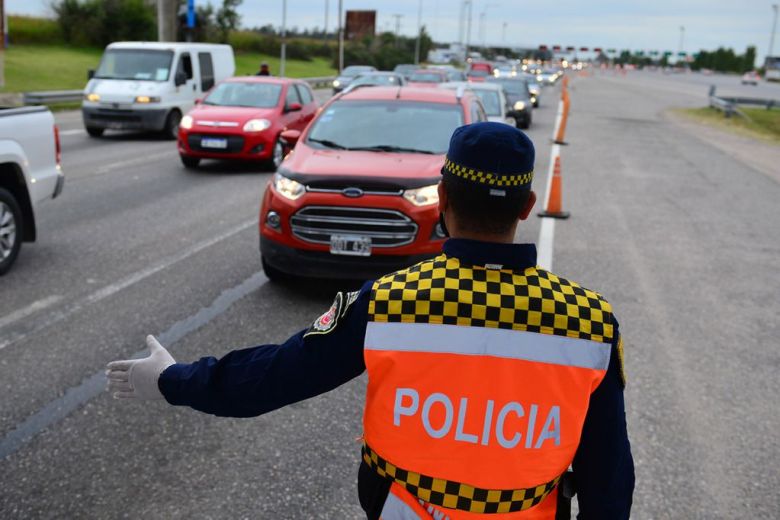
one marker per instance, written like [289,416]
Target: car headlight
[539,78]
[424,196]
[519,105]
[257,125]
[147,99]
[336,83]
[186,122]
[92,97]
[288,188]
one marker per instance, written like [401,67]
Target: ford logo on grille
[352,193]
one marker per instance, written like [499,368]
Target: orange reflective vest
[478,385]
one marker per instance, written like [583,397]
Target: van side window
[185,65]
[206,71]
[304,93]
[477,113]
[292,96]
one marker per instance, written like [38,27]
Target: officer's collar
[491,254]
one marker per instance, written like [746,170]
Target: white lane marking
[93,386]
[75,131]
[131,162]
[126,282]
[546,239]
[30,309]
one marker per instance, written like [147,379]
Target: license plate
[351,245]
[213,143]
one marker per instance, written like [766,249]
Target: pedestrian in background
[488,377]
[264,70]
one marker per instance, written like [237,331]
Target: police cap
[493,156]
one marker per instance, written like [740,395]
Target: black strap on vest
[454,495]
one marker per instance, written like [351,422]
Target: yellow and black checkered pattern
[455,495]
[491,179]
[443,291]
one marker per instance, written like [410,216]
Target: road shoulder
[758,154]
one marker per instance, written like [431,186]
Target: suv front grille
[387,228]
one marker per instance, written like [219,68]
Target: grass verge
[761,123]
[50,67]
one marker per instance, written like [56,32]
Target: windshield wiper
[390,148]
[328,144]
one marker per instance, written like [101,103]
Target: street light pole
[284,38]
[468,28]
[419,34]
[682,39]
[772,38]
[341,35]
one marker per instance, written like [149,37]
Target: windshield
[136,64]
[405,125]
[491,101]
[244,94]
[513,87]
[456,75]
[351,72]
[377,80]
[478,73]
[426,77]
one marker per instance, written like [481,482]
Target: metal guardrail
[67,96]
[729,105]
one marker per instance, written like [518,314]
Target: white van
[149,85]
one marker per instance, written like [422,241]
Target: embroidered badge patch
[328,321]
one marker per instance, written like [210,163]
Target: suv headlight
[336,83]
[257,125]
[424,196]
[288,188]
[186,122]
[519,105]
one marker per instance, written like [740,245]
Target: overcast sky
[626,24]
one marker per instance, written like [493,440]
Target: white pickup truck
[30,173]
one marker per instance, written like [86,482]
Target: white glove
[137,378]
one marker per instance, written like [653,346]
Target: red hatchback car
[243,117]
[357,197]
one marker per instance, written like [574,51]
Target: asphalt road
[680,236]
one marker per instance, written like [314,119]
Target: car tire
[171,129]
[525,123]
[189,162]
[274,274]
[277,155]
[94,131]
[11,230]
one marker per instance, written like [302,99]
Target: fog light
[438,232]
[258,149]
[273,220]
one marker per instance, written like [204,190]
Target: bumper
[321,264]
[124,119]
[244,147]
[60,184]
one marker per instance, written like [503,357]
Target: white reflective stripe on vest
[484,341]
[397,509]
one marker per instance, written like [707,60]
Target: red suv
[241,118]
[357,196]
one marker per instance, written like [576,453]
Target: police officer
[488,377]
[264,70]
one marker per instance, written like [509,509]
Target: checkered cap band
[444,291]
[456,495]
[490,179]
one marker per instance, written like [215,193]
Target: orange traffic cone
[554,207]
[564,120]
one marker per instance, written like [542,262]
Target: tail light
[57,147]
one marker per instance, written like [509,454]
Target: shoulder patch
[330,319]
[622,367]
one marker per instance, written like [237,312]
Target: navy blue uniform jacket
[253,381]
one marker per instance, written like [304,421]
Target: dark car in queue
[518,98]
[357,196]
[427,78]
[242,118]
[348,74]
[377,79]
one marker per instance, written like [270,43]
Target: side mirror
[90,74]
[293,107]
[180,79]
[290,138]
